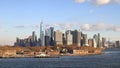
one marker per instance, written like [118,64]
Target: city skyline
[49,37]
[20,18]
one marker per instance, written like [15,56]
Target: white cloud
[79,1]
[117,28]
[26,26]
[86,27]
[99,2]
[100,27]
[94,27]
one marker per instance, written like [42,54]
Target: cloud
[117,28]
[100,27]
[86,27]
[20,26]
[113,28]
[79,1]
[99,2]
[117,1]
[27,26]
[34,26]
[62,26]
[94,27]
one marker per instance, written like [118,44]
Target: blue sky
[18,18]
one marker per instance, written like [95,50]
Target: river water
[109,59]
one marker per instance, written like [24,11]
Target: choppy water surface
[110,59]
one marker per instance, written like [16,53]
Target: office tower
[33,39]
[38,42]
[52,36]
[76,37]
[42,39]
[99,42]
[117,43]
[64,39]
[47,37]
[47,40]
[103,42]
[42,34]
[17,43]
[50,32]
[85,40]
[96,39]
[94,43]
[82,39]
[58,37]
[47,32]
[90,42]
[33,36]
[69,38]
[30,41]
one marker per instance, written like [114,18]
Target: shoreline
[51,56]
[31,52]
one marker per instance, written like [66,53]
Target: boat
[43,55]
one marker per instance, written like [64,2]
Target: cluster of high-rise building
[50,37]
[117,43]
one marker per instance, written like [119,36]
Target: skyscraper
[58,37]
[90,42]
[34,39]
[85,40]
[69,37]
[47,40]
[117,43]
[103,41]
[99,42]
[47,37]
[97,39]
[50,32]
[76,37]
[33,36]
[42,34]
[94,43]
[64,39]
[52,36]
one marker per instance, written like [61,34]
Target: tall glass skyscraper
[42,34]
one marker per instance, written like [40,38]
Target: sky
[18,18]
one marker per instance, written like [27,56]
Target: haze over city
[18,18]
